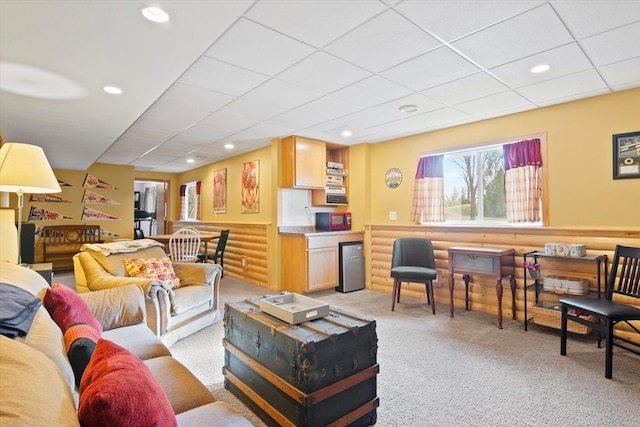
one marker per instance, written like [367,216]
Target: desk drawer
[467,263]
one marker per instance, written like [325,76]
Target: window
[489,184]
[474,185]
[190,201]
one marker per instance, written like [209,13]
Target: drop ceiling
[244,72]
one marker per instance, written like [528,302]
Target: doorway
[151,207]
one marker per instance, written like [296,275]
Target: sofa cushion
[153,268]
[117,307]
[33,391]
[118,389]
[139,340]
[189,297]
[184,390]
[67,307]
[114,263]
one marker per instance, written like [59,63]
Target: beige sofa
[37,379]
[171,314]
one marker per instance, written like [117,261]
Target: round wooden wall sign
[393,178]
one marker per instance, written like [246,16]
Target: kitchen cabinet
[310,261]
[303,163]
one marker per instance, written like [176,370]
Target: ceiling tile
[534,31]
[453,19]
[314,113]
[183,95]
[282,94]
[323,73]
[314,22]
[466,89]
[615,45]
[217,76]
[371,92]
[391,110]
[564,88]
[241,114]
[586,18]
[567,59]
[494,104]
[254,47]
[431,69]
[386,40]
[622,75]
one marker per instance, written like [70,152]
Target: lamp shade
[24,168]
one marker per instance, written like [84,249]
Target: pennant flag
[90,197]
[92,214]
[107,233]
[64,184]
[47,198]
[91,181]
[39,214]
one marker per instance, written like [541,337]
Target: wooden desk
[204,238]
[482,262]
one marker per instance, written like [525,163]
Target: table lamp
[24,169]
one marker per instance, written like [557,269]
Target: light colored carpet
[439,371]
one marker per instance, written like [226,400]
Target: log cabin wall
[248,241]
[482,290]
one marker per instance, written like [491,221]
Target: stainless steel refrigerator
[351,267]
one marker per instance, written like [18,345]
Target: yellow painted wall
[582,191]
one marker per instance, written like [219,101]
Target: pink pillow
[159,269]
[66,307]
[118,389]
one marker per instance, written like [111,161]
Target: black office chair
[413,261]
[218,256]
[608,313]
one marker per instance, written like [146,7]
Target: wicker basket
[549,314]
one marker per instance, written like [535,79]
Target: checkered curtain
[199,211]
[428,190]
[183,200]
[523,181]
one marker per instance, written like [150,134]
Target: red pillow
[117,388]
[66,308]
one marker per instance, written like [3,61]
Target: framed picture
[220,191]
[626,155]
[251,187]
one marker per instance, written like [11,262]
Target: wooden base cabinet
[310,261]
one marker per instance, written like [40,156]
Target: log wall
[250,241]
[482,289]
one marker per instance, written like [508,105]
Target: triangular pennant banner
[51,198]
[39,214]
[92,214]
[90,197]
[64,184]
[91,181]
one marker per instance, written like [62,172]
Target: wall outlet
[243,261]
[393,215]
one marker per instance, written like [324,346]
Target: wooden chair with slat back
[184,245]
[621,304]
[218,256]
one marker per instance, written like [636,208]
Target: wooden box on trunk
[317,373]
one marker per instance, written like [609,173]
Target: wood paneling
[251,242]
[599,241]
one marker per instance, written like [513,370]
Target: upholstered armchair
[172,314]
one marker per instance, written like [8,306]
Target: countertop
[311,231]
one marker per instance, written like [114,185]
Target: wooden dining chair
[621,304]
[218,256]
[184,245]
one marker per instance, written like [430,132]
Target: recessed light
[228,146]
[190,160]
[408,108]
[540,68]
[112,90]
[155,14]
[346,133]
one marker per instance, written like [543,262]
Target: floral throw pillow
[153,268]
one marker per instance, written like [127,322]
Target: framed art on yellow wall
[251,187]
[220,191]
[626,155]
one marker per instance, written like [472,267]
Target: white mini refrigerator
[351,267]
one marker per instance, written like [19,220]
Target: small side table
[483,262]
[44,269]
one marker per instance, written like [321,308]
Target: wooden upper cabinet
[303,163]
